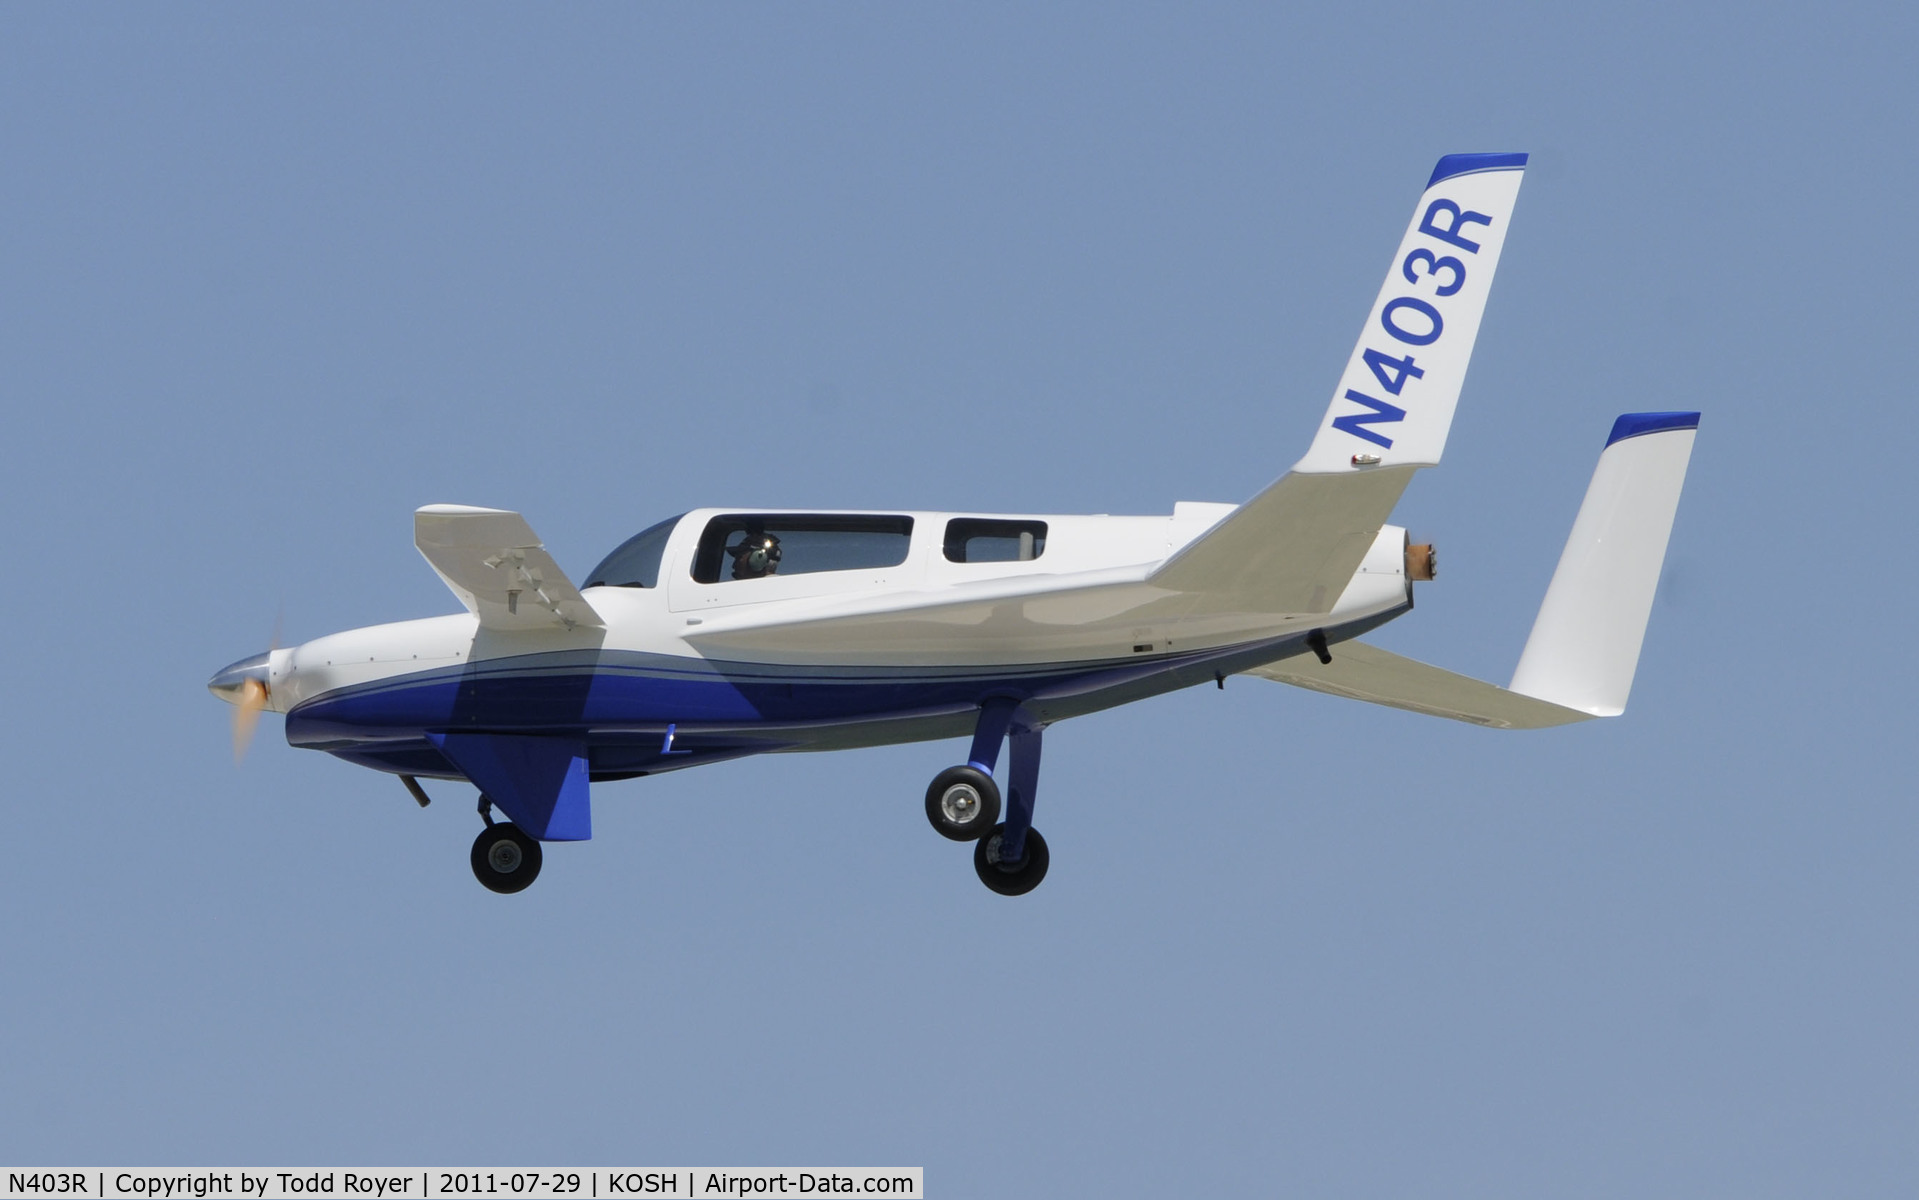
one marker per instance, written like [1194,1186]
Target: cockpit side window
[750,546]
[637,561]
[974,540]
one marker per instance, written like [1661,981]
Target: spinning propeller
[245,685]
[246,715]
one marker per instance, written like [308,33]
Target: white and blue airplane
[726,632]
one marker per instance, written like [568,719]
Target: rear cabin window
[971,540]
[636,563]
[746,546]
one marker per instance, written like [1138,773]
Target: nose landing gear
[505,859]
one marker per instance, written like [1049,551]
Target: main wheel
[505,859]
[962,803]
[1011,878]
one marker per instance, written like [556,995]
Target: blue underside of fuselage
[621,703]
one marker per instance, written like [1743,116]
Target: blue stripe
[1472,164]
[1632,425]
[592,689]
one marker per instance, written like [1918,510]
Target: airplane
[726,632]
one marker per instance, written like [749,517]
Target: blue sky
[273,277]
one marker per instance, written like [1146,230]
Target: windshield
[637,561]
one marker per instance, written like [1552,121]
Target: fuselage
[869,628]
[728,632]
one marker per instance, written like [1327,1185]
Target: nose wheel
[505,860]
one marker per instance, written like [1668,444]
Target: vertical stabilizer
[1294,547]
[1585,644]
[1395,401]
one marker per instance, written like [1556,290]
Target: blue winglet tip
[1631,425]
[1472,164]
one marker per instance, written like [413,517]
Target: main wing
[495,564]
[1294,547]
[1362,672]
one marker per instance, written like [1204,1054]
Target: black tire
[1011,879]
[505,860]
[962,803]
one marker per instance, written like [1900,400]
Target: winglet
[1584,648]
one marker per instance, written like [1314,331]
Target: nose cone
[231,681]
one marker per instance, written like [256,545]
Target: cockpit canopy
[756,545]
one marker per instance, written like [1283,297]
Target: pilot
[757,556]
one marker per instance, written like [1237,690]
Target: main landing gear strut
[505,859]
[963,803]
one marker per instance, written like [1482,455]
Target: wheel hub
[960,804]
[995,847]
[503,856]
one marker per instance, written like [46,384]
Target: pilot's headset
[757,554]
